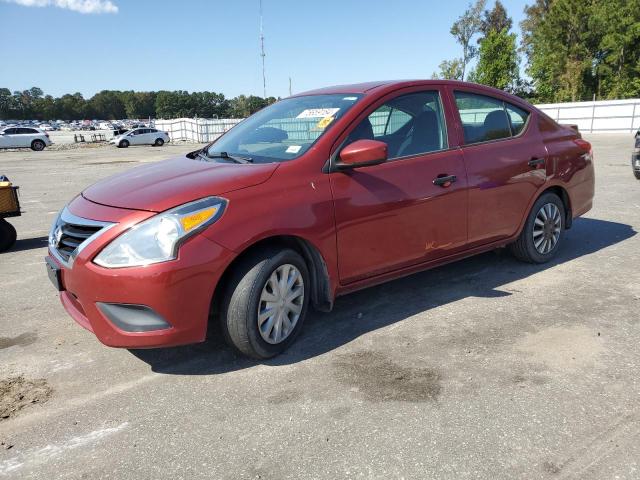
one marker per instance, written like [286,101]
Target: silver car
[141,136]
[24,137]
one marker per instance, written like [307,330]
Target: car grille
[72,237]
[71,233]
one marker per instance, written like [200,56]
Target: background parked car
[24,137]
[141,136]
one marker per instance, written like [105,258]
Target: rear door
[151,135]
[25,136]
[505,162]
[392,215]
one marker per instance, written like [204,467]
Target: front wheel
[543,231]
[8,235]
[266,303]
[159,142]
[637,174]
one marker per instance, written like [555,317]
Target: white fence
[200,130]
[601,116]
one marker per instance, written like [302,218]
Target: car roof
[390,85]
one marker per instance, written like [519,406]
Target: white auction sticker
[293,149]
[318,112]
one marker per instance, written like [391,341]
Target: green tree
[495,20]
[6,103]
[579,48]
[465,28]
[450,70]
[498,60]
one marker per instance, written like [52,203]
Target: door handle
[444,180]
[534,162]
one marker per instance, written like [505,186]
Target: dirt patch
[562,348]
[17,393]
[21,340]
[381,380]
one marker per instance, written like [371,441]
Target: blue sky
[214,45]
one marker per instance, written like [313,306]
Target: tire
[123,144]
[637,174]
[159,142]
[8,235]
[249,285]
[37,145]
[546,244]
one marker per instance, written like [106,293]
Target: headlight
[157,239]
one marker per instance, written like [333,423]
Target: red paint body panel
[159,186]
[368,225]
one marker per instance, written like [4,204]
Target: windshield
[284,130]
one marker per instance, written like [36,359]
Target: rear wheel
[266,303]
[123,143]
[637,174]
[37,145]
[8,235]
[543,231]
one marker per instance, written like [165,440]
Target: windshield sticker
[318,112]
[350,99]
[322,124]
[293,149]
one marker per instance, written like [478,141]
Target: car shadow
[29,244]
[377,307]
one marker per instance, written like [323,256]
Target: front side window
[410,124]
[285,130]
[486,118]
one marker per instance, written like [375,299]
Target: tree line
[33,104]
[573,49]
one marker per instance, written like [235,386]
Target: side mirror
[362,153]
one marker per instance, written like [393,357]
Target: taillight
[585,147]
[583,144]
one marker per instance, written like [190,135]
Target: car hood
[159,186]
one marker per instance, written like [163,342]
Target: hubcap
[546,228]
[280,304]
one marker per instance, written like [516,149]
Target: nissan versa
[315,196]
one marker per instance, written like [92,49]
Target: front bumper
[113,303]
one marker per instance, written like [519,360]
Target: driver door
[393,215]
[135,137]
[6,140]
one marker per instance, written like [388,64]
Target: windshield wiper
[226,156]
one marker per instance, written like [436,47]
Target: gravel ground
[486,368]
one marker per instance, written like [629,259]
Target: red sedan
[318,195]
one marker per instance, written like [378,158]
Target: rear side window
[517,117]
[486,118]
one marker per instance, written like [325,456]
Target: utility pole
[289,86]
[262,54]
